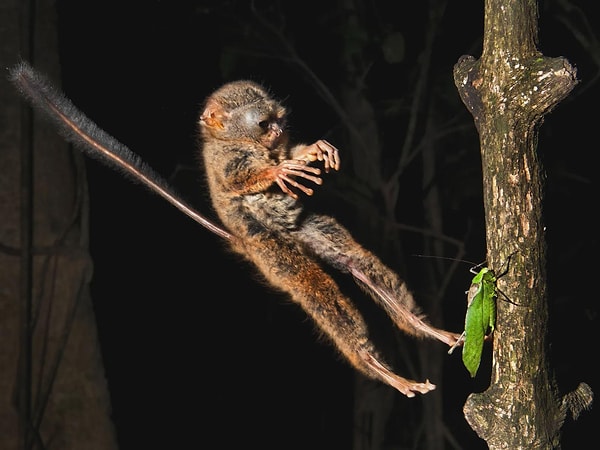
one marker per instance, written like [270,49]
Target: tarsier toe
[409,388]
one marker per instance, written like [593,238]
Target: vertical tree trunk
[508,91]
[52,385]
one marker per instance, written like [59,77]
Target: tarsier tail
[81,131]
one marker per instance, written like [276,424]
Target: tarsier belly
[265,212]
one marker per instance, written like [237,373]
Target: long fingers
[329,154]
[301,173]
[284,179]
[296,168]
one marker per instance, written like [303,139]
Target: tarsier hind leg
[321,298]
[334,244]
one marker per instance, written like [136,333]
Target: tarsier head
[244,110]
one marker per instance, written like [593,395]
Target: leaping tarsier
[255,178]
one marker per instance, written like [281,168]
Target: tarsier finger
[297,173]
[330,155]
[300,165]
[282,179]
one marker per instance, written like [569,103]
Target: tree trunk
[508,91]
[52,385]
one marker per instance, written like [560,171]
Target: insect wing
[480,319]
[475,329]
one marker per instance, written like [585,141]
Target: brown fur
[255,178]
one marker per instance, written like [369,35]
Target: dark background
[196,349]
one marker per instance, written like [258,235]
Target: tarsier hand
[320,151]
[298,167]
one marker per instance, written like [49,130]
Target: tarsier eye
[264,124]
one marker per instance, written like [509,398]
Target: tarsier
[255,178]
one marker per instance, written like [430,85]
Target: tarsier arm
[281,174]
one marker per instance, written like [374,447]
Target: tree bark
[508,91]
[52,385]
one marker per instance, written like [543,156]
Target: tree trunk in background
[52,388]
[508,91]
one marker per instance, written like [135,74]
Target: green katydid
[480,319]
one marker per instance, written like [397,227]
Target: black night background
[196,348]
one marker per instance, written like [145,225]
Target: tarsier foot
[450,338]
[460,341]
[403,385]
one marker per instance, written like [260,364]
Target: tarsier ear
[213,115]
